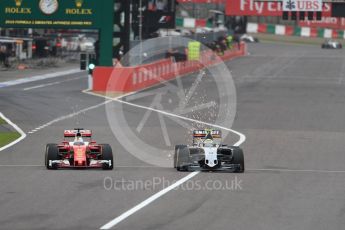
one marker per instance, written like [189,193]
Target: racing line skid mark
[68,116]
[161,193]
[39,78]
[19,130]
[50,84]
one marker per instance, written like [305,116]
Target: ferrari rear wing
[72,133]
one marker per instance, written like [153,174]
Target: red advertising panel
[326,22]
[257,8]
[201,1]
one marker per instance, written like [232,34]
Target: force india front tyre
[181,156]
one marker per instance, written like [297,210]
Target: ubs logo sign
[302,5]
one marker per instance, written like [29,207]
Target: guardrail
[130,79]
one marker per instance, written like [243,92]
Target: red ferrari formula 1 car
[77,153]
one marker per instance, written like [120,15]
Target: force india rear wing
[201,135]
[72,133]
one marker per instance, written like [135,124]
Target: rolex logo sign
[79,10]
[79,3]
[18,3]
[18,9]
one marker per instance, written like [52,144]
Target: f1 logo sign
[302,5]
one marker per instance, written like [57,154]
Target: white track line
[68,116]
[19,130]
[50,84]
[39,77]
[268,170]
[240,141]
[154,197]
[297,170]
[148,201]
[22,165]
[118,99]
[75,113]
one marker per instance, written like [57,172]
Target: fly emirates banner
[257,8]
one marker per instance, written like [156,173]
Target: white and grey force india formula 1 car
[78,153]
[331,44]
[208,154]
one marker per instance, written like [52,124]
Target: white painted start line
[248,170]
[19,130]
[39,77]
[53,83]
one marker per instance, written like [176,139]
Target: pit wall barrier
[134,78]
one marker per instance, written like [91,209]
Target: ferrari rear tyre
[238,160]
[107,154]
[52,154]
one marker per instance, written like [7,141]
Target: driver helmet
[78,137]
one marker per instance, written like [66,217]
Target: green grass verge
[6,138]
[2,121]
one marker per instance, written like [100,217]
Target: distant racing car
[208,154]
[331,44]
[77,153]
[249,38]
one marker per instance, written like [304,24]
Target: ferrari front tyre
[107,155]
[52,154]
[238,159]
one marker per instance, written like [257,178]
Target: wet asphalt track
[290,106]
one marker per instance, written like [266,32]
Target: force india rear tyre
[239,160]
